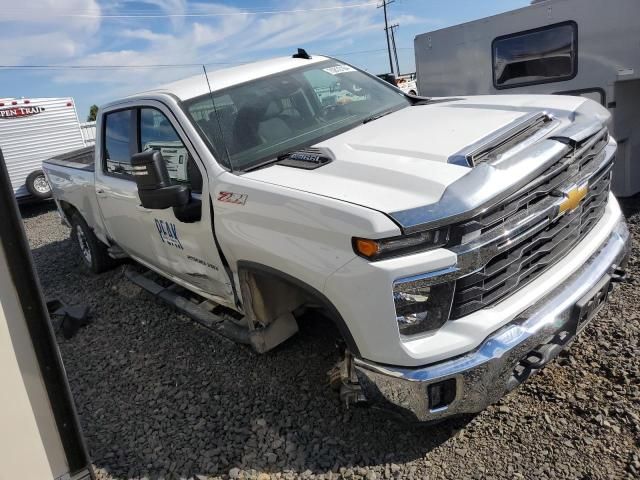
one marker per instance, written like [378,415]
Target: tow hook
[537,358]
[619,275]
[542,355]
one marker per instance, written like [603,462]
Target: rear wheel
[93,252]
[38,186]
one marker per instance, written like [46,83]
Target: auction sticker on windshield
[339,69]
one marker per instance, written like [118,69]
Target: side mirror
[154,184]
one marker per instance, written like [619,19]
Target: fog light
[441,394]
[421,307]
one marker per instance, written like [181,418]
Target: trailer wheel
[38,186]
[93,252]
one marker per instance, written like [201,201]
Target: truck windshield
[259,120]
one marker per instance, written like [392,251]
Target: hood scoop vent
[490,149]
[307,158]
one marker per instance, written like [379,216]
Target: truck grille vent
[505,141]
[524,261]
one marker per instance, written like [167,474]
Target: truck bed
[81,159]
[71,177]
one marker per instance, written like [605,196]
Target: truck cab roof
[196,85]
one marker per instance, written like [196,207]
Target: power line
[107,67]
[186,14]
[166,65]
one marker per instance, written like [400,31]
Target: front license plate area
[587,307]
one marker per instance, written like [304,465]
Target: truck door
[184,251]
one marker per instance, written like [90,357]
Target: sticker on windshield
[338,69]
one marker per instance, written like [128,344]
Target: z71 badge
[230,197]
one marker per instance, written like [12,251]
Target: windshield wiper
[377,116]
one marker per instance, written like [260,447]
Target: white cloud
[231,37]
[37,31]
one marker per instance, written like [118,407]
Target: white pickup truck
[457,254]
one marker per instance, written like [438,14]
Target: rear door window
[547,54]
[119,144]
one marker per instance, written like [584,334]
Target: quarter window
[543,55]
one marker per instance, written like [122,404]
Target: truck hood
[403,161]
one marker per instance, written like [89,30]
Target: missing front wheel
[343,379]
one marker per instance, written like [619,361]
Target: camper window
[547,54]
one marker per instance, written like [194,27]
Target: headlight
[420,307]
[396,246]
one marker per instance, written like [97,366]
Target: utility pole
[393,43]
[386,29]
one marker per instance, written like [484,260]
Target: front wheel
[38,186]
[93,252]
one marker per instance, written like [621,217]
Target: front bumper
[481,377]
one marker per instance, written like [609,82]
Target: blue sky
[134,33]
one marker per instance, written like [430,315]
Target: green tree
[93,113]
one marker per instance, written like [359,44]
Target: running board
[262,340]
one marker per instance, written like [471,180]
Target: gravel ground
[160,397]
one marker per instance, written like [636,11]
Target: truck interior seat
[246,125]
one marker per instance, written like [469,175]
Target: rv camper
[33,130]
[568,47]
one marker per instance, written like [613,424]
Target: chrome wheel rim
[83,244]
[41,185]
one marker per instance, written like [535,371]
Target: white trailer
[89,132]
[32,130]
[570,47]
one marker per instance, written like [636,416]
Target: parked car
[550,47]
[32,130]
[459,244]
[406,83]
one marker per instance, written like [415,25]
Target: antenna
[215,111]
[302,53]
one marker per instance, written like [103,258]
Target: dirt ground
[160,397]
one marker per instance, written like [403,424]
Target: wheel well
[269,293]
[68,210]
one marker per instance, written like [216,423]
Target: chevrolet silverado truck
[457,254]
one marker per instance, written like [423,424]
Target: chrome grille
[519,259]
[537,190]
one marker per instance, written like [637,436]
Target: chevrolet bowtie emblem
[573,198]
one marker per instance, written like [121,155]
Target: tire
[38,186]
[93,253]
[412,92]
